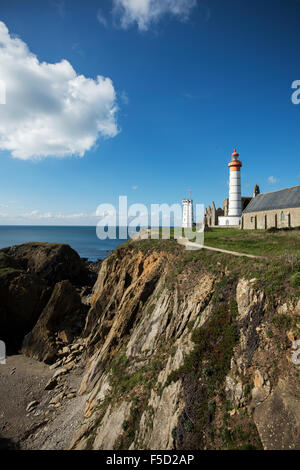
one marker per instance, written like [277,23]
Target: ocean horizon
[82,239]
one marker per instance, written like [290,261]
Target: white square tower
[187,213]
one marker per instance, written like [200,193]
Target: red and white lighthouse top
[235,163]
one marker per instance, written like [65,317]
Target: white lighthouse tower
[235,199]
[187,213]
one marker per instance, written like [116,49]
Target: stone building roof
[282,199]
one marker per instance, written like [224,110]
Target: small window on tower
[282,217]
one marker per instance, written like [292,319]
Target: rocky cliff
[190,350]
[172,349]
[30,277]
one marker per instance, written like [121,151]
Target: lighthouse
[235,199]
[187,213]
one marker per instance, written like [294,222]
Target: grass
[277,272]
[255,242]
[295,280]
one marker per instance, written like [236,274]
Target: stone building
[277,209]
[212,215]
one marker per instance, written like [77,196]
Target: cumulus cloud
[145,12]
[50,110]
[272,180]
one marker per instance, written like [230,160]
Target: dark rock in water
[22,298]
[63,312]
[52,262]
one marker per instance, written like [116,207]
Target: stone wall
[273,218]
[212,215]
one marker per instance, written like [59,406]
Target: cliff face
[180,355]
[30,277]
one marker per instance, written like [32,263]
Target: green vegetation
[255,242]
[286,323]
[124,382]
[214,344]
[295,280]
[282,321]
[203,374]
[278,271]
[207,366]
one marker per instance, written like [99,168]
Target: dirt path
[45,426]
[197,246]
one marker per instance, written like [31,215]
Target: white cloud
[145,12]
[48,218]
[134,188]
[272,180]
[50,110]
[101,18]
[124,97]
[49,215]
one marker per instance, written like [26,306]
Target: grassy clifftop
[255,242]
[277,272]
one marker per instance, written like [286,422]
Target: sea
[84,240]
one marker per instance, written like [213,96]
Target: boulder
[64,311]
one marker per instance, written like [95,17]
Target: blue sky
[183,85]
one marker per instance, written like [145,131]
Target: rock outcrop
[50,261]
[22,298]
[28,275]
[63,317]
